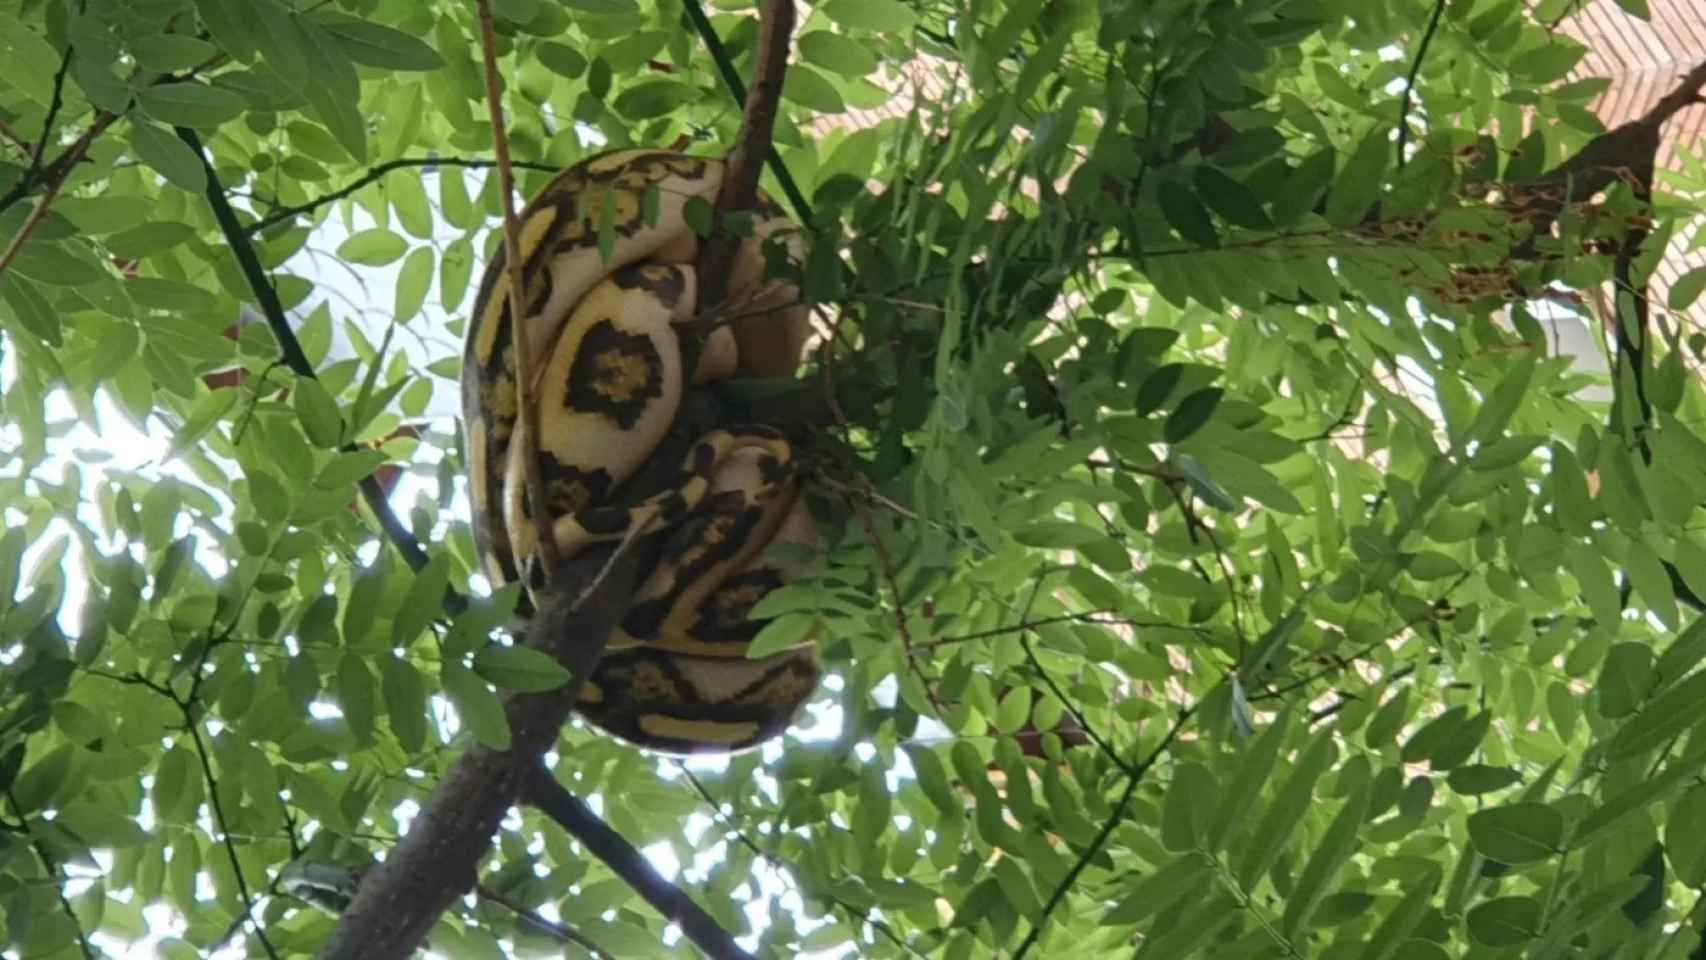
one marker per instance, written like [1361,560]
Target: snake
[610,296]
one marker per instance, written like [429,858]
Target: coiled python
[608,270]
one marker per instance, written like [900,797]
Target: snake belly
[608,276]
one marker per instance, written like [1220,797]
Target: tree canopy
[1220,559]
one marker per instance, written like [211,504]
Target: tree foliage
[1222,563]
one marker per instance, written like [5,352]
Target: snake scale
[608,258]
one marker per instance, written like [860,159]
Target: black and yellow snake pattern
[608,266]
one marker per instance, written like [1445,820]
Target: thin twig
[220,822]
[545,550]
[377,172]
[1059,694]
[1133,778]
[571,813]
[561,931]
[737,90]
[40,212]
[291,350]
[51,868]
[55,102]
[1410,81]
[780,863]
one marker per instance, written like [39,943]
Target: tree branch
[39,214]
[219,821]
[740,174]
[438,859]
[551,798]
[737,90]
[51,868]
[378,172]
[291,350]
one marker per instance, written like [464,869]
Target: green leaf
[561,59]
[1675,712]
[1647,572]
[373,247]
[27,62]
[1685,842]
[1431,737]
[477,705]
[1187,801]
[454,270]
[1188,216]
[1283,817]
[1014,710]
[424,601]
[1192,413]
[1686,289]
[1505,921]
[413,281]
[1336,847]
[356,696]
[811,90]
[837,53]
[1159,890]
[317,411]
[1246,787]
[885,16]
[1236,203]
[1594,579]
[348,469]
[784,632]
[190,104]
[148,238]
[405,702]
[654,98]
[520,668]
[1506,399]
[1625,679]
[168,156]
[1518,833]
[1358,185]
[169,52]
[232,25]
[377,45]
[408,197]
[1478,778]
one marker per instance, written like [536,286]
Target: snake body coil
[608,274]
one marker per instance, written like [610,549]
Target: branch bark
[551,798]
[438,860]
[740,173]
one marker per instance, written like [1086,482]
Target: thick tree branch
[740,175]
[291,348]
[571,813]
[438,860]
[377,172]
